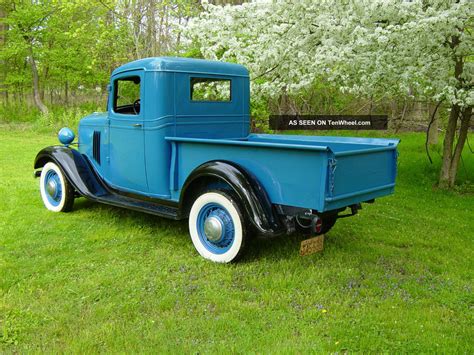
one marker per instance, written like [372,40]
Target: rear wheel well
[200,185]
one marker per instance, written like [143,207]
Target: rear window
[210,89]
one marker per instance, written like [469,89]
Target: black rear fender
[253,197]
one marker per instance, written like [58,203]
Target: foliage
[259,114]
[210,90]
[374,48]
[59,116]
[76,44]
[67,43]
[104,279]
[379,49]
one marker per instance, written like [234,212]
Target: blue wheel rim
[227,237]
[52,178]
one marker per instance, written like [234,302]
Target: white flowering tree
[375,48]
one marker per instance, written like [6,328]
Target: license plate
[312,245]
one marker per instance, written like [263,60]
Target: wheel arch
[41,161]
[75,168]
[251,194]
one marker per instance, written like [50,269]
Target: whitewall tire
[56,191]
[217,227]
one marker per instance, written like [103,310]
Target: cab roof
[185,65]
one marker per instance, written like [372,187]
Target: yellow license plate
[312,245]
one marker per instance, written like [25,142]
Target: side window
[210,89]
[127,95]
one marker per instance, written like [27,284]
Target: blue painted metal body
[153,153]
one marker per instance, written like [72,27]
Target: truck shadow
[129,217]
[257,248]
[277,248]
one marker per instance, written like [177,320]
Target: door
[127,149]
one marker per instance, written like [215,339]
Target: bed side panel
[290,176]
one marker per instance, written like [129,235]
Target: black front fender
[75,167]
[251,194]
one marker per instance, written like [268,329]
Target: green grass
[397,277]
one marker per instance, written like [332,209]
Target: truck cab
[154,98]
[175,142]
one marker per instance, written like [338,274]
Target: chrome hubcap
[51,187]
[213,228]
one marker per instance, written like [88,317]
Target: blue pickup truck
[175,142]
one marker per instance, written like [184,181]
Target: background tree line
[411,60]
[62,52]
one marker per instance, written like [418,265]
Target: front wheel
[56,192]
[217,227]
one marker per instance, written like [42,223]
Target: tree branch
[433,115]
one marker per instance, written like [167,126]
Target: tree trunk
[36,94]
[451,160]
[66,92]
[178,38]
[448,147]
[160,33]
[151,28]
[402,116]
[447,176]
[433,129]
[44,80]
[3,31]
[465,123]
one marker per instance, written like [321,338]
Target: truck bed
[317,172]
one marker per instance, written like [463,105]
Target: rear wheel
[217,227]
[56,192]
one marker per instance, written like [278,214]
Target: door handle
[137,125]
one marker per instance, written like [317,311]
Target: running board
[87,183]
[138,205]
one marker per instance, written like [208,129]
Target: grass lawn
[397,277]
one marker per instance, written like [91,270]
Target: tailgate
[360,175]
